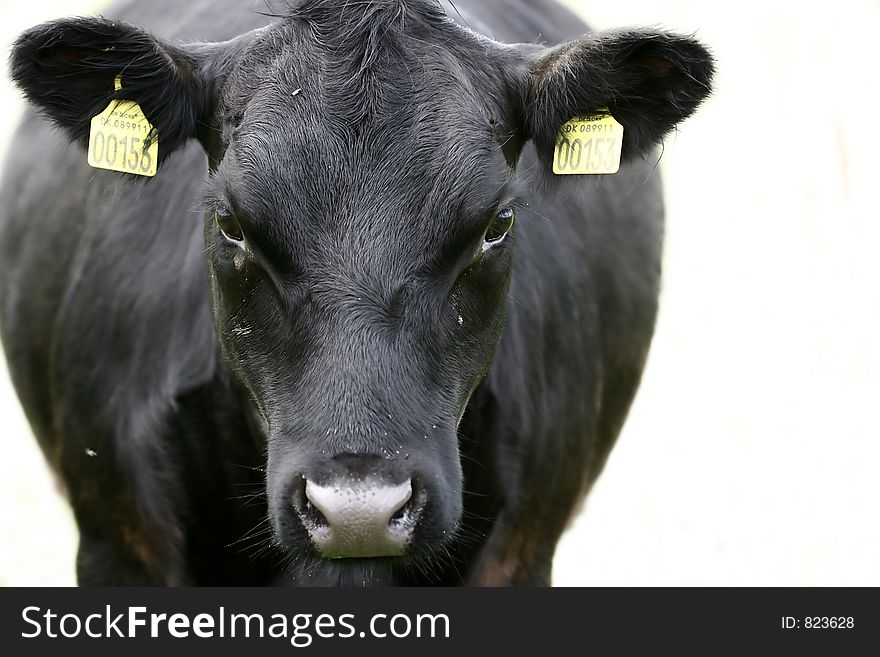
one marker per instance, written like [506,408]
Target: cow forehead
[359,62]
[327,172]
[408,149]
[339,87]
[422,126]
[386,119]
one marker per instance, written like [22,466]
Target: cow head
[360,223]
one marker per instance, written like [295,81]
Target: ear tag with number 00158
[588,145]
[122,139]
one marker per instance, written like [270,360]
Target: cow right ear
[649,80]
[68,69]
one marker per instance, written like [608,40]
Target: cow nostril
[314,515]
[408,514]
[311,516]
[400,514]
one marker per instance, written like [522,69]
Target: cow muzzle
[359,517]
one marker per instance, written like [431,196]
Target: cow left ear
[649,80]
[68,69]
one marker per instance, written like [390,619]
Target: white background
[752,454]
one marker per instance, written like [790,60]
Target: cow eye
[228,224]
[498,229]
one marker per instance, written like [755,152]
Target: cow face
[360,223]
[360,226]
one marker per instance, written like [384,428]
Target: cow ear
[649,81]
[68,69]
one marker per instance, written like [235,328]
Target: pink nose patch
[362,518]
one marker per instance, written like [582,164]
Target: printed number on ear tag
[122,139]
[588,145]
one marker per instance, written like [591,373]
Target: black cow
[398,349]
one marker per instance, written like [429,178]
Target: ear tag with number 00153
[588,145]
[122,139]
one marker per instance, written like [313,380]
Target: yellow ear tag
[122,139]
[588,145]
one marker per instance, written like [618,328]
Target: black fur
[364,149]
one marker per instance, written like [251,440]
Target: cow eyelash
[225,220]
[500,226]
[228,224]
